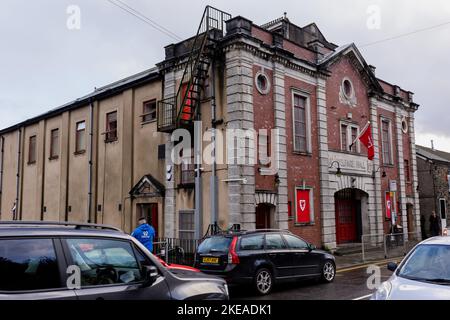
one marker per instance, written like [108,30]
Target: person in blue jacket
[145,234]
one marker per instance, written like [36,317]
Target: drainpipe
[214,195]
[2,140]
[91,146]
[19,147]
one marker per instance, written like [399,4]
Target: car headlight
[383,291]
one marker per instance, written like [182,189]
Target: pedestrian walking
[435,225]
[145,234]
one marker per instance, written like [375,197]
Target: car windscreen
[215,244]
[428,263]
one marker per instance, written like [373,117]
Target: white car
[424,274]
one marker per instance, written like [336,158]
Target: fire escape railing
[171,114]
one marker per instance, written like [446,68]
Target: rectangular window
[386,141]
[407,171]
[28,264]
[304,206]
[149,112]
[188,171]
[301,140]
[344,137]
[32,150]
[111,127]
[186,225]
[54,144]
[349,134]
[354,136]
[80,143]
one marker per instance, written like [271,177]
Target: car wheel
[263,281]
[328,271]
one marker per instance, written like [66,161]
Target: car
[56,261]
[177,267]
[424,274]
[262,258]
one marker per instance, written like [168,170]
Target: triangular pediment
[148,186]
[357,60]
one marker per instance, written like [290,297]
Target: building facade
[433,169]
[108,157]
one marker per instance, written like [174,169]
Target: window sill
[79,153]
[143,123]
[31,163]
[305,154]
[111,140]
[53,158]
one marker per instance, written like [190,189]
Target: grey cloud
[44,65]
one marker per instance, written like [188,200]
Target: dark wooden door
[150,212]
[263,217]
[346,224]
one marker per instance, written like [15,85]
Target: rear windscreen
[214,244]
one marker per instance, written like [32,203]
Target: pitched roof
[99,93]
[431,154]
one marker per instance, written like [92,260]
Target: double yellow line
[377,263]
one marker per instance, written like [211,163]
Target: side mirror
[150,276]
[312,247]
[392,266]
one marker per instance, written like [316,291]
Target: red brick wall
[262,35]
[299,52]
[303,167]
[264,117]
[391,170]
[338,111]
[407,155]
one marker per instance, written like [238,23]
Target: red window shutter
[303,206]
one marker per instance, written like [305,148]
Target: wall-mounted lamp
[277,181]
[383,175]
[339,171]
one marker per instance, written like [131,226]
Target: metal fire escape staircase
[180,110]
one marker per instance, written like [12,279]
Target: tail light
[233,258]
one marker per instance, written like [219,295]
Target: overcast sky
[44,64]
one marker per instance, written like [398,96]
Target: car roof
[246,232]
[437,241]
[57,229]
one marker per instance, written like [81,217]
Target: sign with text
[303,206]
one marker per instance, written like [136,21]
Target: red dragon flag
[366,139]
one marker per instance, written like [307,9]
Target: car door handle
[272,254]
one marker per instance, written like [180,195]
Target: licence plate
[211,260]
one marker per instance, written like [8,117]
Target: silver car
[424,274]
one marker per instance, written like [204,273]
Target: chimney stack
[432,145]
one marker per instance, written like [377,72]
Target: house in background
[433,170]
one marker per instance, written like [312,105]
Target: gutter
[19,148]
[91,146]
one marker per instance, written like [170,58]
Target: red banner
[303,206]
[388,205]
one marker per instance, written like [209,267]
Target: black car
[47,260]
[262,258]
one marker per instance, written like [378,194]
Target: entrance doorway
[263,216]
[150,212]
[349,221]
